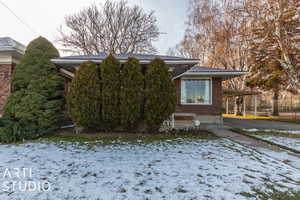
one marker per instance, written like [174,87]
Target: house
[11,52]
[198,89]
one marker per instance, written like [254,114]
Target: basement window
[196,91]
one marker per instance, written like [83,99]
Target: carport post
[255,106]
[173,121]
[227,106]
[244,105]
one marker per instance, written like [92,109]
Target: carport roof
[198,71]
[236,92]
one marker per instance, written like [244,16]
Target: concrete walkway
[260,124]
[248,141]
[224,131]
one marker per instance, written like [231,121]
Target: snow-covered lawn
[190,169]
[293,143]
[286,138]
[253,130]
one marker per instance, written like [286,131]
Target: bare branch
[113,28]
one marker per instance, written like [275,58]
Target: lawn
[175,168]
[286,138]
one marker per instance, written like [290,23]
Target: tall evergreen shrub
[111,85]
[84,98]
[35,107]
[160,94]
[131,93]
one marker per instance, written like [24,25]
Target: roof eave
[62,61]
[224,75]
[12,49]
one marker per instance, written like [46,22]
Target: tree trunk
[275,102]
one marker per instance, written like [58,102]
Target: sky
[45,16]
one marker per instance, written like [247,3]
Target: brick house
[11,52]
[199,89]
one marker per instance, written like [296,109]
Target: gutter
[212,74]
[62,61]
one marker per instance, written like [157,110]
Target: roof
[213,72]
[236,92]
[143,58]
[9,44]
[209,69]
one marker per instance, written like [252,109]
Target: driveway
[259,124]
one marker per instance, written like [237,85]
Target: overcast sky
[45,16]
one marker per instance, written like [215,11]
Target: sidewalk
[248,141]
[225,132]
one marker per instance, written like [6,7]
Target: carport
[233,94]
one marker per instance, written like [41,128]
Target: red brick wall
[5,84]
[214,109]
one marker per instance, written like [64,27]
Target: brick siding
[214,109]
[5,84]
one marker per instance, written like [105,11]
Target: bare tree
[274,40]
[114,28]
[274,35]
[216,32]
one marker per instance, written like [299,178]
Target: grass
[277,195]
[139,139]
[271,133]
[273,195]
[169,137]
[252,135]
[289,120]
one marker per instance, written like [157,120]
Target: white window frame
[197,78]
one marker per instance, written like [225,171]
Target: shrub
[110,74]
[160,94]
[84,98]
[131,93]
[35,107]
[35,63]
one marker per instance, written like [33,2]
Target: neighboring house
[11,52]
[199,89]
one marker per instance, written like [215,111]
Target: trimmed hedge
[160,94]
[84,98]
[126,98]
[131,94]
[111,86]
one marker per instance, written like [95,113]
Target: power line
[19,18]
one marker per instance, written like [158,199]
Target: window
[195,91]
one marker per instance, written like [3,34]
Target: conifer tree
[110,73]
[160,94]
[131,94]
[84,98]
[35,107]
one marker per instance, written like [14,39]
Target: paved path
[225,132]
[259,124]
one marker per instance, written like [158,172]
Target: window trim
[198,78]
